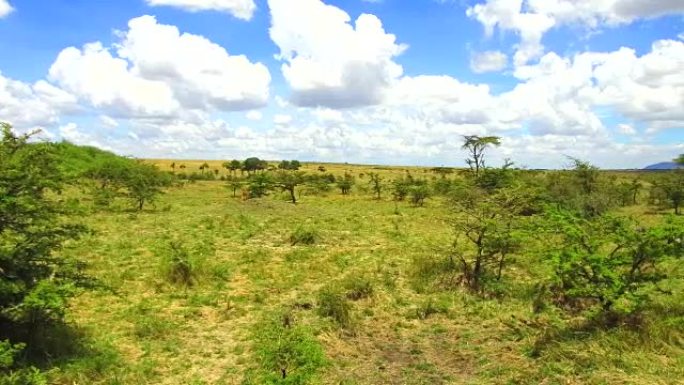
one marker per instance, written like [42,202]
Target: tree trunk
[292,195]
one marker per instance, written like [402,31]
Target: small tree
[259,184]
[606,262]
[635,186]
[35,281]
[476,147]
[235,165]
[295,165]
[251,165]
[203,167]
[419,192]
[345,183]
[234,184]
[284,165]
[144,183]
[376,184]
[288,181]
[486,229]
[669,190]
[680,160]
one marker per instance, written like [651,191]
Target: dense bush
[304,235]
[333,303]
[35,281]
[139,182]
[609,264]
[286,353]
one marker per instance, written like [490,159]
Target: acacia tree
[487,231]
[670,190]
[288,181]
[345,183]
[604,263]
[235,165]
[35,281]
[476,147]
[376,184]
[234,184]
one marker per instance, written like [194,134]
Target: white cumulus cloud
[488,61]
[330,62]
[242,9]
[33,106]
[531,19]
[154,72]
[5,8]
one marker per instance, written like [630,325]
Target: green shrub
[179,265]
[286,353]
[606,265]
[333,304]
[358,288]
[304,236]
[36,279]
[9,375]
[429,308]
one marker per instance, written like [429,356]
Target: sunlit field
[387,323]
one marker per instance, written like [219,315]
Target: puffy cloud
[108,121]
[29,106]
[242,9]
[531,19]
[254,115]
[5,8]
[626,129]
[327,60]
[155,74]
[282,119]
[106,82]
[488,61]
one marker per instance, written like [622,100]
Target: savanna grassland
[203,287]
[398,331]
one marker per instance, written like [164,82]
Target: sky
[359,81]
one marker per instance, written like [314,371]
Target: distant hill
[74,159]
[663,166]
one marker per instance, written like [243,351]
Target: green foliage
[288,181]
[286,354]
[376,184]
[73,161]
[345,183]
[583,190]
[293,165]
[304,235]
[476,147]
[333,304]
[487,231]
[668,190]
[179,266]
[144,183]
[416,189]
[608,264]
[183,261]
[430,307]
[122,177]
[34,280]
[418,192]
[358,287]
[259,185]
[234,184]
[680,159]
[254,164]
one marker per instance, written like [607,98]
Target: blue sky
[389,81]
